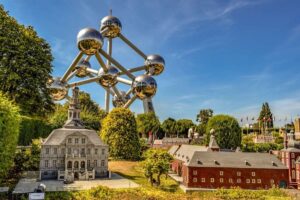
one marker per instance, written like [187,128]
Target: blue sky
[228,55]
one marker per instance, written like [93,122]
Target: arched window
[82,164]
[76,165]
[70,164]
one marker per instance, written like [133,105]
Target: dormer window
[76,140]
[70,140]
[83,140]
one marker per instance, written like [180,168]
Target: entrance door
[76,175]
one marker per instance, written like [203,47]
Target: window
[230,180]
[103,151]
[83,140]
[88,151]
[69,150]
[221,173]
[238,173]
[95,163]
[293,163]
[212,180]
[76,164]
[195,180]
[63,151]
[203,180]
[253,173]
[88,163]
[76,140]
[46,163]
[69,164]
[96,151]
[238,180]
[258,180]
[82,164]
[221,180]
[47,150]
[247,180]
[102,163]
[293,155]
[70,140]
[55,150]
[194,172]
[53,163]
[62,163]
[83,151]
[253,180]
[293,174]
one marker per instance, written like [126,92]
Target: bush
[9,132]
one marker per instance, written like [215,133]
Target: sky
[227,55]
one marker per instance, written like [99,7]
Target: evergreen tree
[265,116]
[119,131]
[25,66]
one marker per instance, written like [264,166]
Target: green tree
[266,116]
[157,162]
[119,131]
[25,66]
[9,132]
[182,126]
[147,122]
[227,131]
[203,118]
[169,127]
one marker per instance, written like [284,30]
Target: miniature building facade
[73,152]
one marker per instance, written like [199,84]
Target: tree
[157,162]
[169,126]
[203,118]
[182,126]
[227,131]
[265,117]
[119,131]
[147,122]
[25,66]
[91,114]
[9,132]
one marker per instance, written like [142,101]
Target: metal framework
[90,42]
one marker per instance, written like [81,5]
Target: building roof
[173,149]
[185,152]
[175,140]
[235,160]
[57,136]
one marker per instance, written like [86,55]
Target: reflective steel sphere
[120,102]
[58,90]
[82,68]
[144,86]
[113,24]
[89,41]
[109,78]
[155,64]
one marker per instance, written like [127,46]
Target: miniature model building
[73,152]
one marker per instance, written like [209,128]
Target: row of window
[195,172]
[230,180]
[75,163]
[76,140]
[75,151]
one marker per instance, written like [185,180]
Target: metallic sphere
[109,78]
[155,64]
[89,41]
[113,25]
[82,68]
[144,86]
[58,90]
[120,101]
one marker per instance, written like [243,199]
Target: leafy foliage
[169,127]
[9,132]
[182,126]
[203,118]
[157,161]
[147,122]
[25,66]
[119,131]
[249,146]
[227,131]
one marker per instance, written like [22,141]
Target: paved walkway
[27,185]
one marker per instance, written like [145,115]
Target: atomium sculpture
[90,42]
